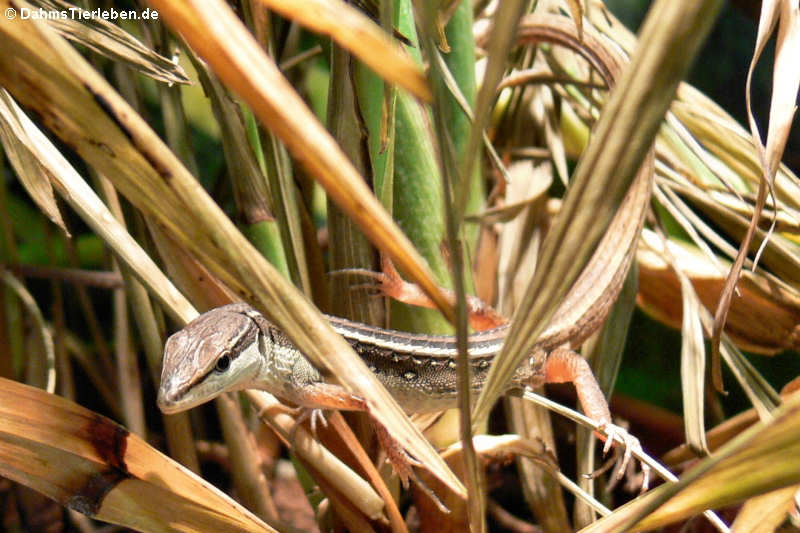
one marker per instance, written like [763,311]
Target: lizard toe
[631,445]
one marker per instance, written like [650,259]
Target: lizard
[234,347]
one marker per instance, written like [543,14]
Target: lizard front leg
[327,396]
[318,396]
[564,365]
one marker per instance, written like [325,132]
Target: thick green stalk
[348,248]
[461,62]
[417,192]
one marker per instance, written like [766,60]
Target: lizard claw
[614,432]
[400,460]
[317,416]
[313,415]
[403,464]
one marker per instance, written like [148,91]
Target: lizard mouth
[168,403]
[170,406]
[172,400]
[176,398]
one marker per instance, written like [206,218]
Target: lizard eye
[223,363]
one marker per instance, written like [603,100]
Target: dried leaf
[83,199]
[80,107]
[111,41]
[786,80]
[761,394]
[571,241]
[356,32]
[693,366]
[32,174]
[90,464]
[764,513]
[576,10]
[763,319]
[760,459]
[521,173]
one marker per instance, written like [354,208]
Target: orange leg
[328,396]
[481,315]
[565,366]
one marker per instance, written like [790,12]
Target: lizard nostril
[166,395]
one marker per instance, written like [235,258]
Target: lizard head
[215,353]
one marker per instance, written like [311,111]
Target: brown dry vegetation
[180,162]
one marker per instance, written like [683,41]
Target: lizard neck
[283,369]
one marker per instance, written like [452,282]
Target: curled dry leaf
[766,512]
[762,320]
[758,460]
[724,432]
[786,80]
[693,363]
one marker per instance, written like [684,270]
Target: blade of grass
[765,513]
[604,351]
[32,307]
[78,194]
[30,172]
[454,187]
[621,139]
[562,31]
[760,459]
[461,65]
[253,199]
[176,427]
[248,477]
[11,349]
[348,248]
[218,36]
[519,245]
[782,108]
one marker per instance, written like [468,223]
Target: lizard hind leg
[566,366]
[397,456]
[389,283]
[403,464]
